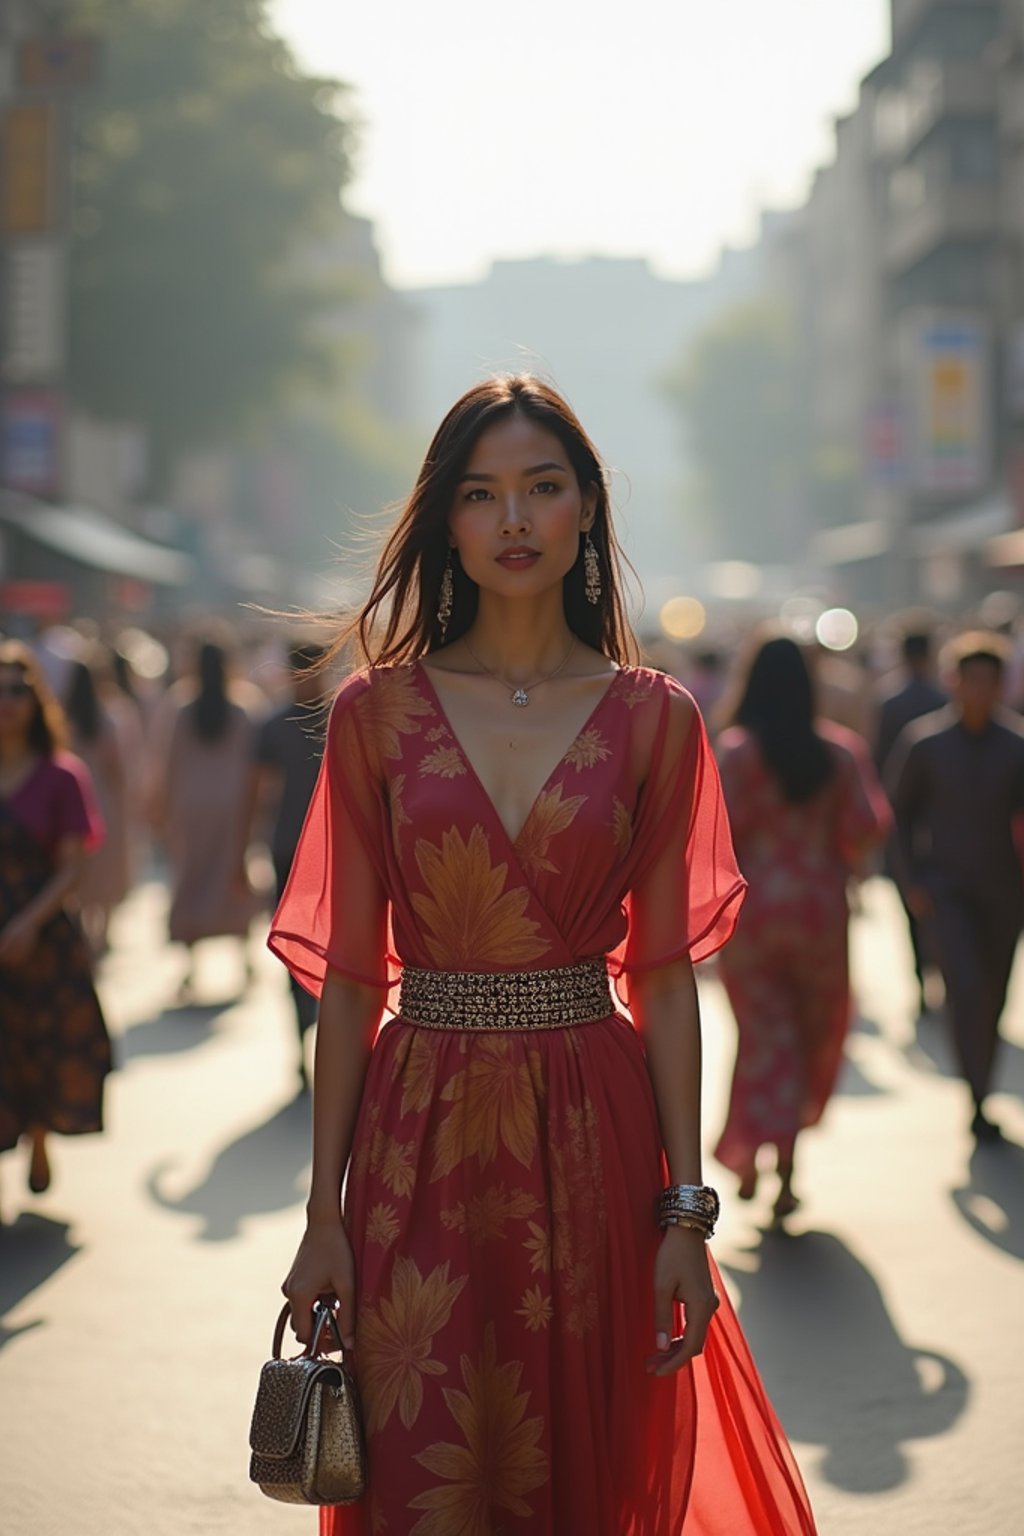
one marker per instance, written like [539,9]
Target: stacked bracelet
[689,1205]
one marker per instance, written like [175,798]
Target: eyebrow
[535,469]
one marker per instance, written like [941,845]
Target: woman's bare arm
[349,1015]
[666,1012]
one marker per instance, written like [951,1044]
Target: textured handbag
[306,1435]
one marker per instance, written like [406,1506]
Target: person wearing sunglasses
[54,1047]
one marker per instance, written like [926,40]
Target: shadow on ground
[992,1201]
[836,1370]
[32,1249]
[263,1171]
[932,1050]
[172,1030]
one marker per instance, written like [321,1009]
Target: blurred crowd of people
[190,757]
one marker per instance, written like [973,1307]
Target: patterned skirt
[500,1205]
[54,1046]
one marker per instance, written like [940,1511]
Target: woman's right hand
[323,1266]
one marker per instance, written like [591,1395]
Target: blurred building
[68,538]
[903,275]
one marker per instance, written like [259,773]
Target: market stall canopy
[93,539]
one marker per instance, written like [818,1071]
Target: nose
[514,518]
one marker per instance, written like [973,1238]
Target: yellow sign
[27,175]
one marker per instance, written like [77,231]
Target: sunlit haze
[557,127]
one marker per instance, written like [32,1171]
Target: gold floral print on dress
[445,761]
[589,748]
[471,920]
[486,1215]
[494,1099]
[391,708]
[537,1309]
[549,816]
[396,1339]
[500,1461]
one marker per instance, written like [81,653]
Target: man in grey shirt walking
[957,782]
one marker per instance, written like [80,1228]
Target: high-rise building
[945,251]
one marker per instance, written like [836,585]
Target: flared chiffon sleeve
[333,913]
[686,888]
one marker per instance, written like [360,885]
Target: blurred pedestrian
[289,747]
[918,695]
[957,783]
[202,757]
[806,809]
[54,1047]
[94,739]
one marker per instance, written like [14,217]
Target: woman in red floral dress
[507,812]
[806,807]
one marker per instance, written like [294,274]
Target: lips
[519,558]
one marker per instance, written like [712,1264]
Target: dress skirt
[500,1203]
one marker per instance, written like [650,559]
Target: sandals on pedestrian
[39,1174]
[748,1183]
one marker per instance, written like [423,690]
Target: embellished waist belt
[570,994]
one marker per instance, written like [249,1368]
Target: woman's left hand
[681,1273]
[17,939]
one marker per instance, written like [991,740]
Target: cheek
[562,515]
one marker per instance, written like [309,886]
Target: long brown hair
[408,577]
[47,730]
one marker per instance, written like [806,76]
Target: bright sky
[575,127]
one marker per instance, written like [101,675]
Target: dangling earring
[445,597]
[591,570]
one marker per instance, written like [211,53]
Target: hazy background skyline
[566,129]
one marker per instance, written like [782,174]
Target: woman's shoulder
[844,743]
[63,773]
[375,683]
[378,702]
[639,685]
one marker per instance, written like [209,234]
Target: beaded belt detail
[570,994]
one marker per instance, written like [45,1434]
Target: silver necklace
[520,692]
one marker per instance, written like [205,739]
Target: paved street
[137,1298]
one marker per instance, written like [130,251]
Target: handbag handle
[323,1317]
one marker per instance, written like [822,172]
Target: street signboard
[33,330]
[947,358]
[30,444]
[27,190]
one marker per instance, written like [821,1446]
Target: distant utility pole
[41,68]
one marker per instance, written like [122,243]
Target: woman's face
[17,702]
[518,510]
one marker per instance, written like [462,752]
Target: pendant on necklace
[521,698]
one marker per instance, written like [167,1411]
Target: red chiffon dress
[502,1185]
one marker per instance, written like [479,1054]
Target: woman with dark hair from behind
[806,808]
[93,738]
[54,1048]
[202,754]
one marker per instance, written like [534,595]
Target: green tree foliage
[205,164]
[736,391]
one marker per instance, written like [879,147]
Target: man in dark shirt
[957,782]
[919,695]
[288,752]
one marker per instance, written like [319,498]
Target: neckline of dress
[12,794]
[586,726]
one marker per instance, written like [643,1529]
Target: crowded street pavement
[138,1297]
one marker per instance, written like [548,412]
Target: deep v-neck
[512,840]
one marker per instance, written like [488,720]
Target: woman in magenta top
[54,1047]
